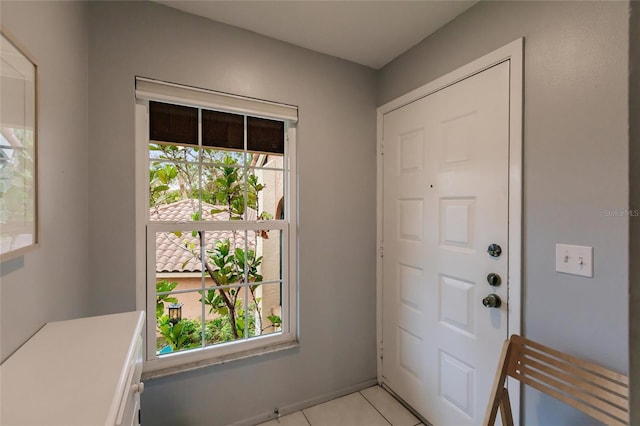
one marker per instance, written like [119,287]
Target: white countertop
[70,372]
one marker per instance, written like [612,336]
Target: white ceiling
[370,33]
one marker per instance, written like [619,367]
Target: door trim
[512,52]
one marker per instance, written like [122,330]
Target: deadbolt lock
[494,250]
[494,279]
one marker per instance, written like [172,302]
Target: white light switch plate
[576,260]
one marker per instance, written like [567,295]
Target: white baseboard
[301,405]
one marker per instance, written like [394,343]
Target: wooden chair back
[595,390]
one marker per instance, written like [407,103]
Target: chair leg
[505,408]
[496,398]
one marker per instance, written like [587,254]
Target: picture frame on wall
[18,149]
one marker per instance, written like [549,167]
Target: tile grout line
[306,418]
[402,405]
[421,421]
[375,408]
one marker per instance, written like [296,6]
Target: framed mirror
[18,149]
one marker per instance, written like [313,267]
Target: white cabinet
[80,372]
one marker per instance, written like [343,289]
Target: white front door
[445,201]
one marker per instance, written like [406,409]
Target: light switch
[576,260]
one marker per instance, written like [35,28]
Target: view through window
[217,245]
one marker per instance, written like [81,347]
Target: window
[216,228]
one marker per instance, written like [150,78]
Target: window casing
[211,241]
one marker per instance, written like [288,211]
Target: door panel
[445,200]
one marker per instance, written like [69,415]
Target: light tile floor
[371,407]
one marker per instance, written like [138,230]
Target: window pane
[268,301]
[225,256]
[265,190]
[226,318]
[177,253]
[268,256]
[178,320]
[173,123]
[265,135]
[218,157]
[272,161]
[222,129]
[223,189]
[229,262]
[173,191]
[172,152]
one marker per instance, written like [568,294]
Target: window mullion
[200,163]
[248,292]
[201,232]
[203,253]
[246,234]
[245,186]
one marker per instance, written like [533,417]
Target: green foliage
[225,266]
[161,177]
[228,188]
[253,188]
[249,263]
[220,329]
[229,268]
[164,286]
[180,335]
[187,333]
[194,329]
[215,302]
[275,320]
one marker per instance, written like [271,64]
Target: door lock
[492,301]
[494,279]
[494,250]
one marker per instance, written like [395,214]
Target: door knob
[494,279]
[492,301]
[494,250]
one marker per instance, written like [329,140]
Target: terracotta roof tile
[174,251]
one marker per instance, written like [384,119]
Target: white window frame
[155,366]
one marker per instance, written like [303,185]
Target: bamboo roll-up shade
[179,124]
[173,123]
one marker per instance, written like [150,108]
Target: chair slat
[606,382]
[587,365]
[577,382]
[598,415]
[575,394]
[595,390]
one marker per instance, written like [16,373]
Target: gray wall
[336,147]
[634,181]
[575,162]
[575,168]
[51,282]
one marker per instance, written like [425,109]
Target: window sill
[276,347]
